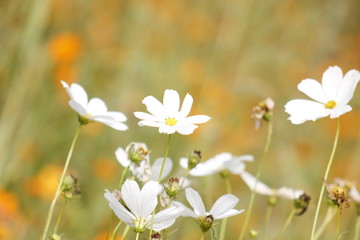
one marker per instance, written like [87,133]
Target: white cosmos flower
[261,188]
[167,117]
[219,163]
[95,109]
[331,97]
[143,170]
[222,208]
[141,204]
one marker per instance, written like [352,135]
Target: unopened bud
[55,237]
[272,201]
[173,187]
[194,159]
[137,152]
[206,222]
[253,234]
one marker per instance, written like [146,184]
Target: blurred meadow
[229,55]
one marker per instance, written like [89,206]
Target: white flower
[331,96]
[142,170]
[167,117]
[141,204]
[219,163]
[95,109]
[222,208]
[261,188]
[351,187]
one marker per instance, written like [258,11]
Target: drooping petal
[231,212]
[257,186]
[171,102]
[313,89]
[150,123]
[166,218]
[76,93]
[186,212]
[211,166]
[186,106]
[77,107]
[148,117]
[289,193]
[156,167]
[132,197]
[195,201]
[122,157]
[197,119]
[302,110]
[186,129]
[117,116]
[331,81]
[148,197]
[154,106]
[223,204]
[340,110]
[96,106]
[119,210]
[234,166]
[347,87]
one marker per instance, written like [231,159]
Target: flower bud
[302,203]
[173,188]
[206,222]
[137,152]
[156,236]
[272,201]
[83,120]
[194,159]
[262,111]
[55,237]
[253,234]
[70,187]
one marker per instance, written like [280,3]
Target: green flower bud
[253,234]
[206,222]
[173,188]
[137,152]
[272,201]
[194,159]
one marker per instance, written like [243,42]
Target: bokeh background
[228,55]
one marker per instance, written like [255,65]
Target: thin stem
[125,232]
[60,216]
[165,157]
[123,176]
[224,221]
[325,178]
[267,220]
[116,230]
[137,235]
[58,190]
[357,228]
[338,224]
[202,236]
[287,223]
[252,197]
[329,216]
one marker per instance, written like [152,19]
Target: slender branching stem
[58,190]
[116,230]
[357,228]
[252,197]
[165,157]
[60,216]
[325,179]
[287,223]
[328,217]
[224,221]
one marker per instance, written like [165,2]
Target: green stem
[325,178]
[224,221]
[58,190]
[338,224]
[116,230]
[123,176]
[357,228]
[60,216]
[287,223]
[202,236]
[329,216]
[267,220]
[137,235]
[252,197]
[165,157]
[125,232]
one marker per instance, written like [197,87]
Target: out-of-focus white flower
[167,117]
[93,110]
[219,163]
[222,208]
[351,187]
[143,170]
[139,205]
[261,188]
[331,97]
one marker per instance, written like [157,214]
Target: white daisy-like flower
[143,170]
[167,117]
[222,208]
[219,163]
[261,188]
[95,109]
[351,186]
[139,205]
[331,97]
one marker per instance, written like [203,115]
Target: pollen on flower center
[330,104]
[170,121]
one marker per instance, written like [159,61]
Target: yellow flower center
[330,104]
[170,121]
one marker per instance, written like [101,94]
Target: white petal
[78,94]
[167,129]
[171,102]
[234,166]
[120,211]
[257,186]
[150,123]
[340,110]
[184,162]
[185,129]
[148,117]
[197,119]
[223,204]
[166,218]
[156,167]
[347,87]
[77,107]
[195,201]
[96,106]
[154,106]
[211,166]
[231,212]
[301,110]
[313,89]
[122,157]
[148,196]
[118,116]
[131,194]
[109,121]
[331,81]
[354,194]
[289,193]
[186,212]
[186,106]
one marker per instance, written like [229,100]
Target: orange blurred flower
[105,168]
[65,47]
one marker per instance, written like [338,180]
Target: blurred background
[229,55]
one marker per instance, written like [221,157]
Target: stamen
[330,104]
[170,121]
